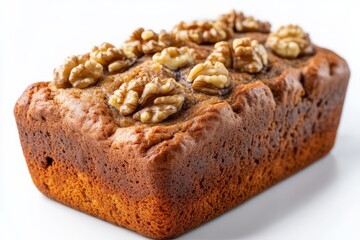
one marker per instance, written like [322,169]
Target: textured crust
[163,180]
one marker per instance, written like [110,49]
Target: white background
[321,202]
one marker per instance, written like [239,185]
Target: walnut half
[126,98]
[115,59]
[249,55]
[221,53]
[210,78]
[78,71]
[290,42]
[202,31]
[157,99]
[148,42]
[161,109]
[175,58]
[240,23]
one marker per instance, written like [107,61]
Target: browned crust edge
[162,181]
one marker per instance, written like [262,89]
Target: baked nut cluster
[175,58]
[210,78]
[221,53]
[290,42]
[126,98]
[78,71]
[161,109]
[83,71]
[240,23]
[148,42]
[111,57]
[202,31]
[157,99]
[249,55]
[245,55]
[207,50]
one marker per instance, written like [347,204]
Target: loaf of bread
[172,129]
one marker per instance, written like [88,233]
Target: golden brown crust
[162,180]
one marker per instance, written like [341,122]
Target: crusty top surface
[146,66]
[88,110]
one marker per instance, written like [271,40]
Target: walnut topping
[126,98]
[147,35]
[175,58]
[114,58]
[290,41]
[78,71]
[240,23]
[202,31]
[249,55]
[162,108]
[210,78]
[221,53]
[157,98]
[133,45]
[148,42]
[157,88]
[151,43]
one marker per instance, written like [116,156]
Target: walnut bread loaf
[172,129]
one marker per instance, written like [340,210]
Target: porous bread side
[67,185]
[162,181]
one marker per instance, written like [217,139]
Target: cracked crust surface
[162,180]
